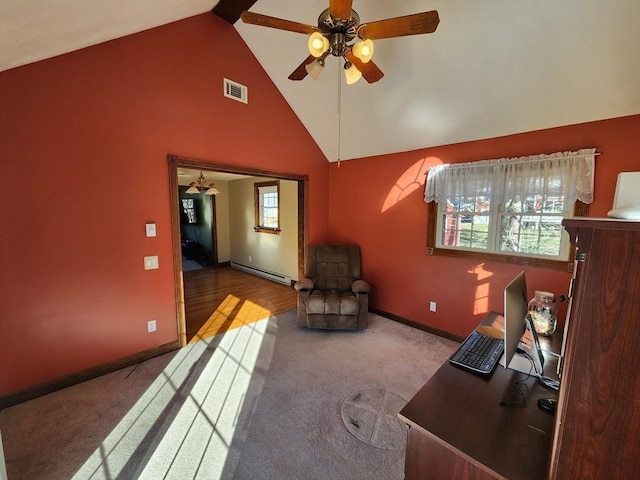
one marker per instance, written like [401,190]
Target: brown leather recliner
[332,295]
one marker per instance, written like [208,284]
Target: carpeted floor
[268,400]
[189,265]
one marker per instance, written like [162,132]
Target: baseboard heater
[276,277]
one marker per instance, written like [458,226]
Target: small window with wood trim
[267,207]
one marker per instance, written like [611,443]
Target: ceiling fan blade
[279,23]
[369,70]
[415,24]
[230,10]
[340,8]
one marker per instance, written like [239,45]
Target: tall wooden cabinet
[597,424]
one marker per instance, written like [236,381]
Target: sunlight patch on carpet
[183,425]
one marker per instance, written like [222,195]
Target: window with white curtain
[509,207]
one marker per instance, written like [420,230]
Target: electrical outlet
[151,326]
[250,258]
[432,306]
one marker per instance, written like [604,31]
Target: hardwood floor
[219,299]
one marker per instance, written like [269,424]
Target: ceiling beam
[230,10]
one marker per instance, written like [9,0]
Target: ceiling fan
[340,33]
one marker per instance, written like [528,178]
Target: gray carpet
[267,401]
[190,265]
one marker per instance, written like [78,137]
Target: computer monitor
[515,310]
[516,322]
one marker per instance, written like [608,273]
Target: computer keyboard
[479,353]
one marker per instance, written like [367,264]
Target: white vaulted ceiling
[492,68]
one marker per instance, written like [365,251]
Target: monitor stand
[521,363]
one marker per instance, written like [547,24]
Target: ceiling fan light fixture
[351,73]
[318,44]
[314,69]
[363,50]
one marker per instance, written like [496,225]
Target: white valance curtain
[563,173]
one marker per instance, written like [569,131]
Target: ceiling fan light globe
[363,50]
[352,74]
[192,189]
[314,69]
[318,44]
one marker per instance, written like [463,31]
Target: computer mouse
[548,404]
[550,382]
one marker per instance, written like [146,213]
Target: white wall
[270,252]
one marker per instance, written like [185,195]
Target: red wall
[83,155]
[377,202]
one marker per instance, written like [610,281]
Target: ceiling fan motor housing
[340,31]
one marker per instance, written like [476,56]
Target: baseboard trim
[84,375]
[419,326]
[99,370]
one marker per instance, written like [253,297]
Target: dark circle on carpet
[372,417]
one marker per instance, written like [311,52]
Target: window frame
[258,209]
[579,210]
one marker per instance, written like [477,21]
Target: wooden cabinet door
[597,426]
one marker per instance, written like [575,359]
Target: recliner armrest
[304,284]
[360,286]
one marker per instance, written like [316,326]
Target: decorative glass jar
[544,312]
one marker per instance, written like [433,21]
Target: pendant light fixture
[201,184]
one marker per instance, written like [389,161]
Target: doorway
[174,163]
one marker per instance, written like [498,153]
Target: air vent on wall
[235,91]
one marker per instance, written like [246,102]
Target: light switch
[150,229]
[151,263]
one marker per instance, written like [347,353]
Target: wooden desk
[459,429]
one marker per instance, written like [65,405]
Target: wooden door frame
[175,162]
[214,232]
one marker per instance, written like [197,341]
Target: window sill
[563,265]
[275,231]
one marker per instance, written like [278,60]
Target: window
[509,209]
[529,225]
[267,207]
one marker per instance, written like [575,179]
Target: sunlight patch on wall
[483,289]
[411,180]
